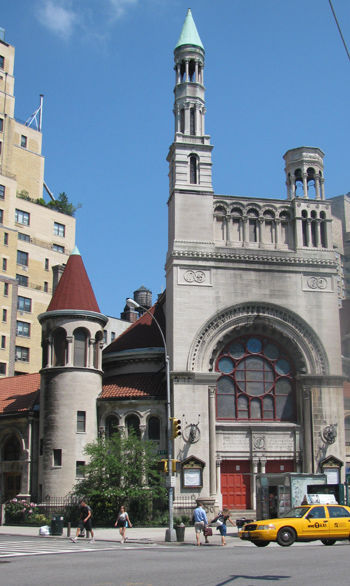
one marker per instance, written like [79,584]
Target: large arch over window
[256,380]
[59,347]
[80,346]
[133,424]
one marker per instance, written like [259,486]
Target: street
[34,561]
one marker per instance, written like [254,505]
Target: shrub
[20,511]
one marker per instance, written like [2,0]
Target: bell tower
[190,154]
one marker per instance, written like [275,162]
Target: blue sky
[276,76]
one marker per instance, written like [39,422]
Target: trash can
[180,532]
[56,525]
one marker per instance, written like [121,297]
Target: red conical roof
[74,289]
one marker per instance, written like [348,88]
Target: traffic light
[162,466]
[176,427]
[175,465]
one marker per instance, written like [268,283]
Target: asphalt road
[32,561]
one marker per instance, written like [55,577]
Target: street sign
[170,481]
[162,452]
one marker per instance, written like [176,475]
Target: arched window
[59,346]
[347,430]
[256,380]
[12,449]
[112,425]
[253,225]
[133,424]
[193,170]
[192,121]
[304,226]
[220,223]
[154,428]
[182,120]
[80,347]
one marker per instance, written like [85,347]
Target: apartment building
[33,237]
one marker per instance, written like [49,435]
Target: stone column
[259,225]
[308,232]
[307,427]
[187,70]
[292,179]
[203,119]
[277,232]
[49,352]
[212,441]
[317,186]
[70,340]
[143,429]
[322,188]
[196,71]
[244,222]
[304,175]
[90,358]
[218,481]
[255,471]
[318,233]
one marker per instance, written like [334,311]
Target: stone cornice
[280,258]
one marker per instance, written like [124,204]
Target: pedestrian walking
[200,522]
[223,518]
[84,522]
[122,522]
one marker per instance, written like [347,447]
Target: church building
[251,320]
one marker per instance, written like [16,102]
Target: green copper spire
[189,34]
[75,251]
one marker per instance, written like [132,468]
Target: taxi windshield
[296,513]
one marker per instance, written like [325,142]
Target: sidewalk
[139,535]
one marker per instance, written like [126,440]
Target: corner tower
[71,379]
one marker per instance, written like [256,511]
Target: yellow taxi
[329,523]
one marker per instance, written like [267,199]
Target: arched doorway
[12,480]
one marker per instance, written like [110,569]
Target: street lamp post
[170,534]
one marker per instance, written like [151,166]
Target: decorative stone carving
[317,283]
[194,277]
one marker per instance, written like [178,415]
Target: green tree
[121,470]
[62,204]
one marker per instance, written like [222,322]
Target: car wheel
[261,543]
[328,541]
[286,536]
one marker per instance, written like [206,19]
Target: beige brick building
[33,238]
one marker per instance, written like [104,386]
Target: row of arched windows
[80,350]
[252,225]
[132,423]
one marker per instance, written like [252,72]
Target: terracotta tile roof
[134,386]
[74,289]
[19,393]
[144,333]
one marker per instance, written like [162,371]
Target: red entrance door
[279,466]
[235,484]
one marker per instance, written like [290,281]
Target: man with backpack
[85,522]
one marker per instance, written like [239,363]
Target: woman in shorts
[224,517]
[121,522]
